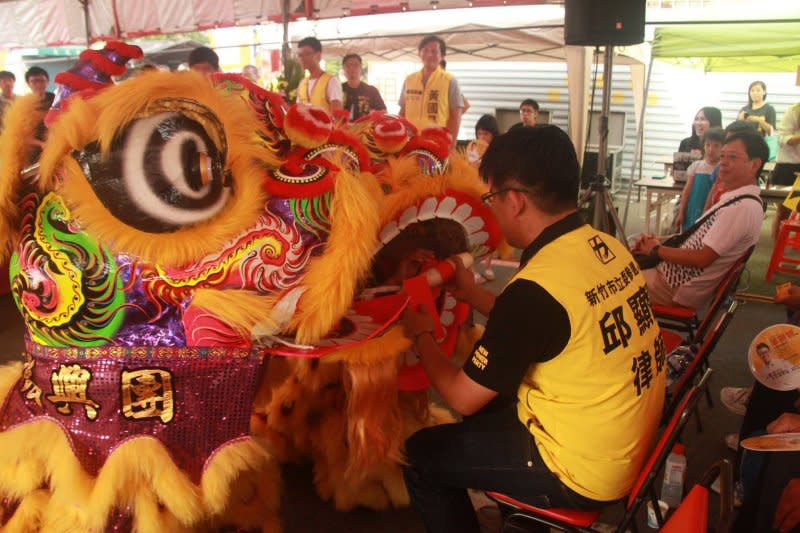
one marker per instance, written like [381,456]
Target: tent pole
[85,4]
[637,153]
[285,51]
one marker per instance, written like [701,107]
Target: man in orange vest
[318,88]
[431,97]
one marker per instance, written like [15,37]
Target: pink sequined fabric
[193,400]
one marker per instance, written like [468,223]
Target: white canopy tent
[519,31]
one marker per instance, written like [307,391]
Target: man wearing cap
[318,88]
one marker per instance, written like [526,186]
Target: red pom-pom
[390,134]
[307,126]
[438,134]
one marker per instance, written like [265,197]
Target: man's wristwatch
[654,251]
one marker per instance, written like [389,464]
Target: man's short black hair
[762,345]
[754,145]
[7,74]
[311,42]
[433,39]
[348,57]
[487,123]
[531,102]
[36,71]
[204,54]
[714,134]
[738,126]
[542,159]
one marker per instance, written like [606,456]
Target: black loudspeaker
[603,22]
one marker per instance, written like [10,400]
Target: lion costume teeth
[181,236]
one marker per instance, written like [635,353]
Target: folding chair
[517,514]
[788,239]
[691,516]
[699,364]
[685,319]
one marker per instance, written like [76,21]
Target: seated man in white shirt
[688,274]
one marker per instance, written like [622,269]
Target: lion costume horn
[90,74]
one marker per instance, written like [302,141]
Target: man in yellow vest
[563,393]
[318,88]
[431,97]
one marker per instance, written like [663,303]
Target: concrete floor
[304,512]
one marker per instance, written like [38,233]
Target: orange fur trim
[408,185]
[332,278]
[240,309]
[138,475]
[103,117]
[20,122]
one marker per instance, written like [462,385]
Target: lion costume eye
[164,171]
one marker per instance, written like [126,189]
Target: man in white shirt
[688,274]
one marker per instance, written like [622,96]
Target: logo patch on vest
[601,250]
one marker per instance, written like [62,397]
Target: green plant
[287,83]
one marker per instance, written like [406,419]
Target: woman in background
[705,119]
[757,109]
[485,132]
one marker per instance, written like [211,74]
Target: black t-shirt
[361,100]
[526,325]
[689,144]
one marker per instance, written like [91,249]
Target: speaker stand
[603,212]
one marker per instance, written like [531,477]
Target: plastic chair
[691,516]
[788,238]
[699,364]
[517,514]
[684,319]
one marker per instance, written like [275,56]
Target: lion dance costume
[206,279]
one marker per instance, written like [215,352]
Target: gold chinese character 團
[147,393]
[31,389]
[71,385]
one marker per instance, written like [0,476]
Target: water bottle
[674,473]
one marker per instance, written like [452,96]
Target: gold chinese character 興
[71,385]
[31,389]
[147,393]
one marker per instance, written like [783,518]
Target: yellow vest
[429,104]
[594,409]
[319,96]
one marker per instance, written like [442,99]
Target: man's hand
[791,299]
[463,282]
[417,321]
[787,514]
[786,423]
[645,244]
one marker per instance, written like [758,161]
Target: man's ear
[756,164]
[519,201]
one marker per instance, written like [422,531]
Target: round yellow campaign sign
[774,357]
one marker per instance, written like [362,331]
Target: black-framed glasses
[487,196]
